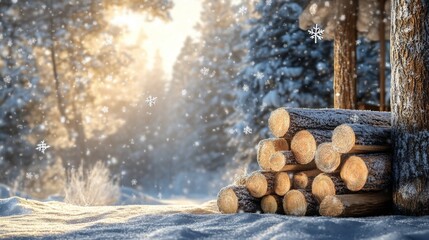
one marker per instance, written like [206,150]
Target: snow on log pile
[329,162]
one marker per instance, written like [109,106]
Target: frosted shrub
[92,188]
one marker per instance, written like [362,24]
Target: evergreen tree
[285,68]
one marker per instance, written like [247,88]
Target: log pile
[327,162]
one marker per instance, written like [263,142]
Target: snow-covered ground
[56,220]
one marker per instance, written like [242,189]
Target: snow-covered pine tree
[285,68]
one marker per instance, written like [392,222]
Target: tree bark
[382,65]
[410,105]
[346,136]
[345,55]
[356,205]
[300,203]
[367,172]
[234,199]
[286,122]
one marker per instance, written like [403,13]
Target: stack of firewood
[330,162]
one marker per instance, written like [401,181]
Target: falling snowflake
[108,40]
[105,109]
[242,10]
[184,92]
[245,87]
[151,101]
[354,118]
[7,79]
[204,71]
[259,75]
[269,2]
[247,130]
[29,175]
[32,41]
[9,43]
[134,182]
[316,33]
[42,146]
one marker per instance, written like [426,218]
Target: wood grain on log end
[322,186]
[327,159]
[257,184]
[303,180]
[299,203]
[279,122]
[331,206]
[227,201]
[277,161]
[271,204]
[343,138]
[268,147]
[354,173]
[303,147]
[282,183]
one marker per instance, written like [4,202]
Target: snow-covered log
[300,203]
[327,159]
[367,172]
[304,179]
[361,137]
[286,122]
[305,142]
[285,161]
[272,204]
[326,184]
[267,147]
[262,183]
[234,199]
[356,205]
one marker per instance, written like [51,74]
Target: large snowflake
[151,101]
[316,33]
[42,146]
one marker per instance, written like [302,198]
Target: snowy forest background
[63,79]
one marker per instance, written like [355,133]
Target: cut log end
[327,159]
[271,204]
[303,147]
[331,206]
[282,183]
[300,180]
[257,184]
[343,138]
[294,203]
[354,173]
[322,186]
[227,201]
[277,161]
[268,147]
[279,122]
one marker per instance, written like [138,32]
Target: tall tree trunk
[382,33]
[345,55]
[410,101]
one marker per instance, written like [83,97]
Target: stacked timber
[330,162]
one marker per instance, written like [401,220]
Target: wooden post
[382,33]
[345,55]
[409,40]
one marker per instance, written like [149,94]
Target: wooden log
[285,161]
[272,204]
[304,179]
[267,147]
[304,144]
[282,183]
[262,183]
[326,158]
[346,136]
[286,122]
[299,203]
[367,172]
[356,205]
[234,199]
[327,184]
